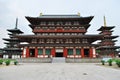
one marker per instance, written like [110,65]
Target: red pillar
[27,52]
[43,52]
[65,52]
[91,53]
[82,52]
[53,52]
[74,52]
[36,52]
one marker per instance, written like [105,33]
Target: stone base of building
[83,60]
[34,60]
[11,56]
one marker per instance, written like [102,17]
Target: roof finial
[16,23]
[104,21]
[78,13]
[40,14]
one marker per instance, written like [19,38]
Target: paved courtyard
[58,71]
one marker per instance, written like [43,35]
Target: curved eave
[11,43]
[15,31]
[28,38]
[14,49]
[105,28]
[102,32]
[10,39]
[56,45]
[111,37]
[37,20]
[109,47]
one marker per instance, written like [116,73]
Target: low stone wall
[83,60]
[34,60]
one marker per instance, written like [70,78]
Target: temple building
[59,36]
[12,50]
[107,46]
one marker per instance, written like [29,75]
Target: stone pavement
[58,71]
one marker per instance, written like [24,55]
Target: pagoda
[59,36]
[12,50]
[107,46]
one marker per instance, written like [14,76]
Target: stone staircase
[58,60]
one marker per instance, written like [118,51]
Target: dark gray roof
[14,30]
[59,16]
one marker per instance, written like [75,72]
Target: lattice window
[43,23]
[76,23]
[70,51]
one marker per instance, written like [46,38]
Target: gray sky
[10,9]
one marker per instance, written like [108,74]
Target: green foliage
[118,63]
[15,62]
[110,62]
[103,62]
[1,61]
[7,62]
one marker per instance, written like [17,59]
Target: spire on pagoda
[104,21]
[16,23]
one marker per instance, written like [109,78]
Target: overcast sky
[10,9]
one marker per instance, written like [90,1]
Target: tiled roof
[59,16]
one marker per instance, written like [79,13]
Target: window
[43,23]
[84,40]
[76,23]
[77,40]
[74,34]
[59,33]
[48,51]
[66,33]
[68,23]
[51,28]
[40,51]
[49,41]
[34,41]
[44,33]
[77,51]
[51,33]
[44,28]
[68,41]
[50,23]
[41,40]
[70,51]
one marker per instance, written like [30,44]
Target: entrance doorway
[86,52]
[59,53]
[32,52]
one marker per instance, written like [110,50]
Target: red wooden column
[91,52]
[74,51]
[53,52]
[36,52]
[43,52]
[65,52]
[27,52]
[82,52]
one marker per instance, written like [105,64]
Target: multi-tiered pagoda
[107,46]
[59,36]
[12,50]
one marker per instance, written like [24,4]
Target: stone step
[58,60]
